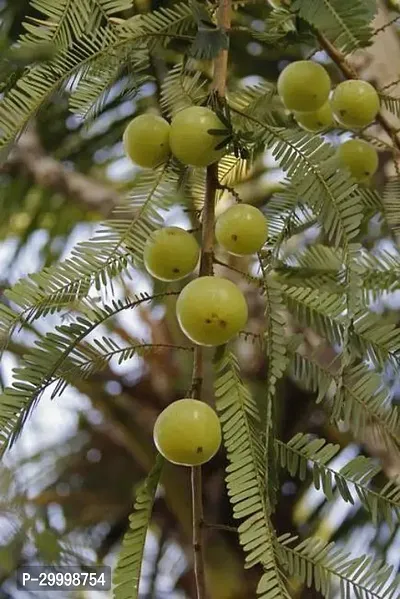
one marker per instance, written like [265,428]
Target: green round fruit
[211,310]
[316,121]
[241,230]
[355,103]
[187,432]
[359,157]
[171,254]
[146,140]
[304,86]
[190,141]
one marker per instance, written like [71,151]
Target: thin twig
[224,527]
[340,60]
[198,545]
[386,25]
[206,269]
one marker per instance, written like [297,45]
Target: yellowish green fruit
[355,103]
[190,140]
[211,310]
[146,140]
[359,157]
[316,121]
[241,230]
[188,432]
[171,254]
[304,86]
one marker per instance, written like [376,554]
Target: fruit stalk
[206,268]
[340,60]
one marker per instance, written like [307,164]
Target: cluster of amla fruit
[305,88]
[149,139]
[210,311]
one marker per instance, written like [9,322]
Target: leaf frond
[347,25]
[126,575]
[245,474]
[118,244]
[45,364]
[316,562]
[304,452]
[363,400]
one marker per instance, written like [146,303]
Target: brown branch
[340,60]
[221,61]
[206,268]
[28,157]
[197,526]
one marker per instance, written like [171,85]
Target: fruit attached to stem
[359,157]
[241,230]
[190,139]
[304,86]
[187,432]
[355,103]
[146,140]
[171,254]
[211,310]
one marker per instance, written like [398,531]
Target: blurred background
[67,486]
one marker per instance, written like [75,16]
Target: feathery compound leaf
[316,562]
[362,401]
[67,21]
[323,268]
[379,341]
[326,312]
[277,26]
[304,452]
[40,83]
[182,88]
[232,170]
[246,479]
[391,103]
[381,274]
[118,244]
[103,83]
[126,576]
[346,24]
[286,216]
[111,7]
[320,310]
[275,343]
[390,200]
[89,358]
[255,100]
[320,265]
[56,354]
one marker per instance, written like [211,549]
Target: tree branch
[28,157]
[206,268]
